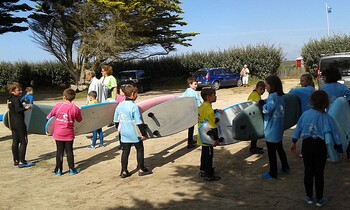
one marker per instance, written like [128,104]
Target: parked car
[341,61]
[217,78]
[137,78]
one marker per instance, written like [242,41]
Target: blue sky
[229,23]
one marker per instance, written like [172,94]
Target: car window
[342,63]
[227,71]
[200,74]
[141,74]
[217,71]
[126,75]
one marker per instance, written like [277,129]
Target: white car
[339,60]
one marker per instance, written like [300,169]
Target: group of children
[311,127]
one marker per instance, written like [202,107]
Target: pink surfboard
[147,104]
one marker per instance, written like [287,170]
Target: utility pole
[328,10]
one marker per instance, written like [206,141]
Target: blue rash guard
[303,94]
[315,124]
[127,114]
[336,90]
[189,92]
[274,118]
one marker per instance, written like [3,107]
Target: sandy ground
[175,183]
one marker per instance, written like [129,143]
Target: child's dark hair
[191,80]
[28,89]
[12,86]
[260,84]
[319,100]
[93,94]
[69,93]
[275,84]
[206,92]
[331,74]
[309,79]
[129,89]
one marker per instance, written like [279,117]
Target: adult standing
[245,75]
[109,83]
[95,85]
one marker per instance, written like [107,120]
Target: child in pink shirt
[65,114]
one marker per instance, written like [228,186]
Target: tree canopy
[8,21]
[104,31]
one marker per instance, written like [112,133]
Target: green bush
[46,74]
[262,60]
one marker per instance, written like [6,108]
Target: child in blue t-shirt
[128,121]
[304,93]
[191,92]
[312,127]
[28,98]
[331,75]
[274,126]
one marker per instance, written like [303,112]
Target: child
[126,117]
[206,112]
[255,96]
[92,100]
[17,125]
[304,93]
[334,89]
[28,98]
[65,114]
[274,126]
[311,127]
[191,92]
[121,96]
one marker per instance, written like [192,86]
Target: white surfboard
[224,125]
[170,117]
[94,116]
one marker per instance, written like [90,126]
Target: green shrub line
[262,60]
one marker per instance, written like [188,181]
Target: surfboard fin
[156,133]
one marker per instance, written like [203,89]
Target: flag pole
[327,11]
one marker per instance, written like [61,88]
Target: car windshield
[342,63]
[126,75]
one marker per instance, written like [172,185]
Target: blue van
[217,78]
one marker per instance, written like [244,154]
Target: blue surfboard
[340,112]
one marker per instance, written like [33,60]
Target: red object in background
[299,62]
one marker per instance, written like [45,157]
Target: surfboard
[147,104]
[224,125]
[35,118]
[249,124]
[94,116]
[170,117]
[340,112]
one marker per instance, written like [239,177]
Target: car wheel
[216,85]
[239,83]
